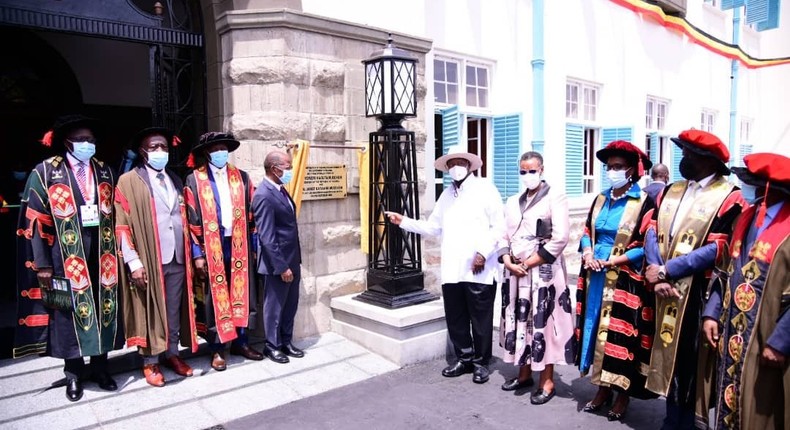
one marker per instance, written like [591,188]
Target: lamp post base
[390,301]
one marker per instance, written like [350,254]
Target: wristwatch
[662,273]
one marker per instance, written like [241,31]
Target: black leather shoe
[481,375]
[105,381]
[275,355]
[457,369]
[292,351]
[246,351]
[540,396]
[513,384]
[73,389]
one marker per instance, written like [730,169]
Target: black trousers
[74,368]
[470,304]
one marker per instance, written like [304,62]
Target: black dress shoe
[457,369]
[275,355]
[73,389]
[292,351]
[540,396]
[591,408]
[105,381]
[513,384]
[246,351]
[481,375]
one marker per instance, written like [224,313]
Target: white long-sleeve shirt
[469,220]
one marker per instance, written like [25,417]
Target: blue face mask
[219,158]
[158,159]
[287,176]
[20,176]
[83,151]
[749,193]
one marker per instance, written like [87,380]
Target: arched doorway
[128,63]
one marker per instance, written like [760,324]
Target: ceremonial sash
[690,235]
[189,276]
[230,298]
[625,229]
[95,333]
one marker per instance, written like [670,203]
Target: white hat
[457,151]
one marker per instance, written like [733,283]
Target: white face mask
[617,178]
[458,172]
[530,181]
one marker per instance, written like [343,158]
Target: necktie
[82,179]
[161,177]
[285,194]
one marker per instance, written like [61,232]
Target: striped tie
[82,179]
[161,177]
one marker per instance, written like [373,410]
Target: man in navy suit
[279,256]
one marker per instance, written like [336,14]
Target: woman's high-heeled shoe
[618,416]
[590,407]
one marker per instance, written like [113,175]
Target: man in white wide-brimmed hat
[469,218]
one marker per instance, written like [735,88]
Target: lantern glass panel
[373,88]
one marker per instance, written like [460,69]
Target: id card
[90,215]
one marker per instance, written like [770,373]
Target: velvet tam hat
[628,151]
[138,137]
[765,170]
[213,137]
[705,144]
[63,125]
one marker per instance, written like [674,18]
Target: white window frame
[585,112]
[446,83]
[745,131]
[653,120]
[462,61]
[708,119]
[476,87]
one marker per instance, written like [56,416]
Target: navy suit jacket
[278,233]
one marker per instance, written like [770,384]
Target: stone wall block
[340,235]
[255,70]
[296,70]
[355,76]
[340,284]
[276,126]
[327,74]
[329,128]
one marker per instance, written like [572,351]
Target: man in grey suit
[279,256]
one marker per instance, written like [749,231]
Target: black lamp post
[395,277]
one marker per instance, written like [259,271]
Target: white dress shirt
[90,183]
[469,221]
[693,189]
[225,204]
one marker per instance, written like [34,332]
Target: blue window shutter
[609,135]
[451,133]
[773,17]
[507,147]
[677,154]
[655,148]
[731,4]
[756,11]
[574,160]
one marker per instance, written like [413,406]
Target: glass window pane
[452,94]
[574,113]
[575,93]
[482,77]
[702,121]
[471,78]
[438,70]
[471,96]
[482,94]
[440,93]
[452,72]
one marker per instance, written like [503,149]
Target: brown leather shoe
[153,376]
[176,364]
[218,362]
[247,352]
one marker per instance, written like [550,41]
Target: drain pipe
[538,62]
[736,37]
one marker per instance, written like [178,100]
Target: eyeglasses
[82,139]
[531,171]
[617,167]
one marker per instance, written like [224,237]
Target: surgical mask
[530,180]
[219,158]
[749,193]
[83,151]
[617,178]
[20,176]
[287,176]
[458,173]
[158,159]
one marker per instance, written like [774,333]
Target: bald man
[279,256]
[660,175]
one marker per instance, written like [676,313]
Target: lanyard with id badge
[89,213]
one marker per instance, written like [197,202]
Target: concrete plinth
[404,336]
